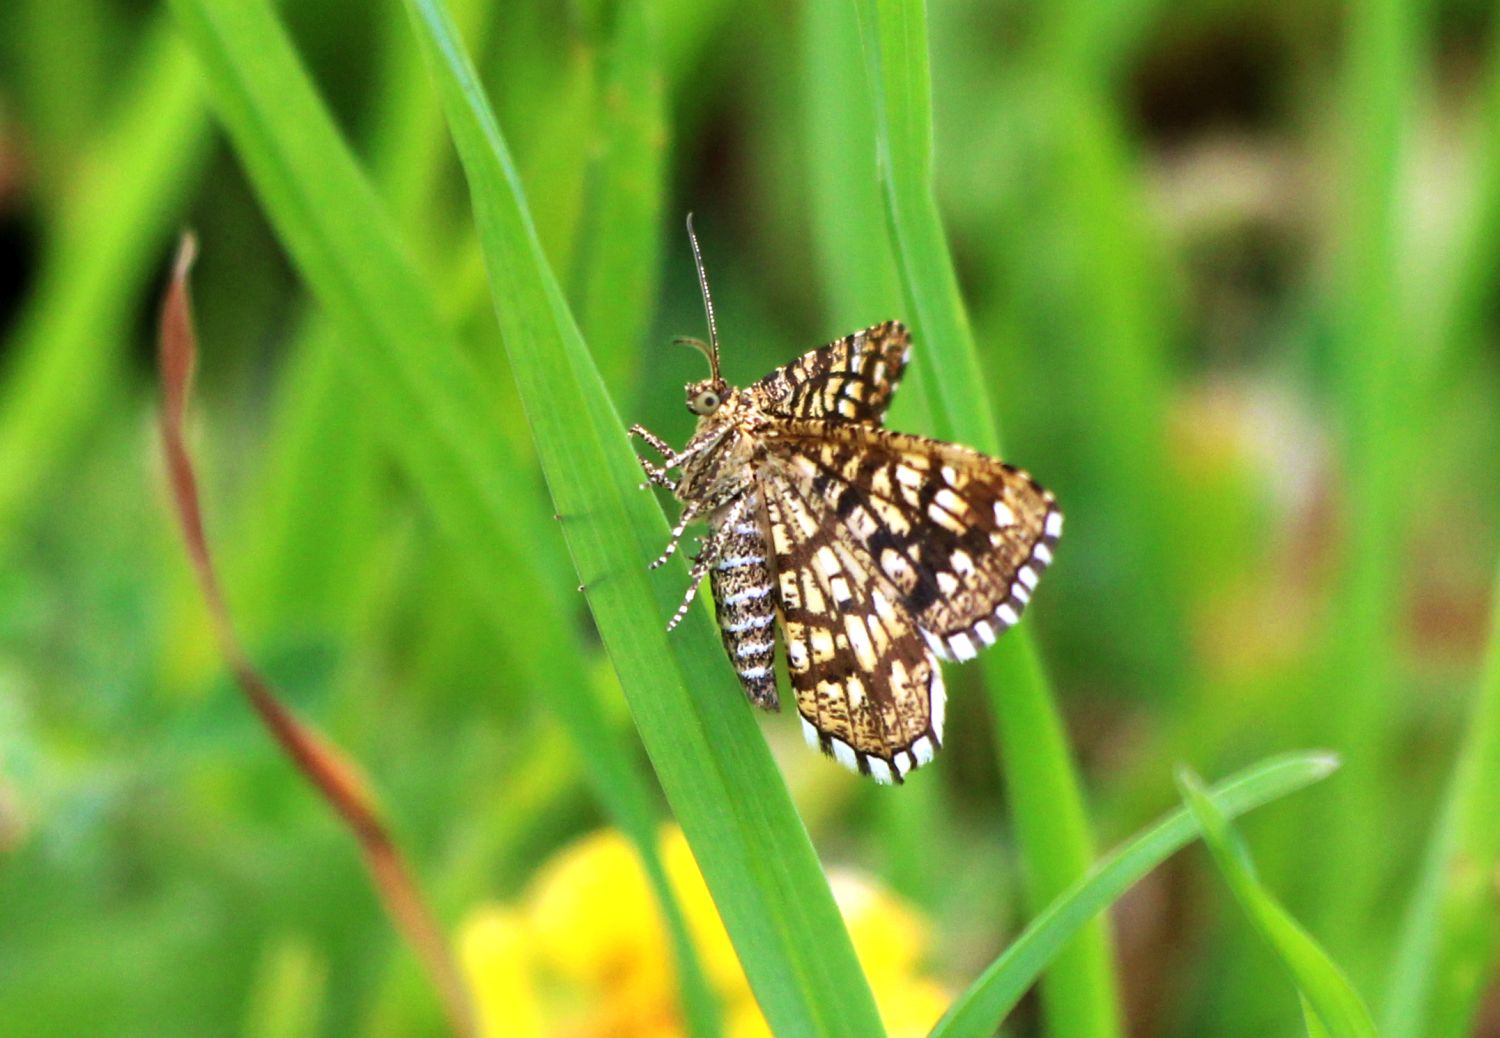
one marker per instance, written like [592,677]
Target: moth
[876,553]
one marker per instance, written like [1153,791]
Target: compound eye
[706,402]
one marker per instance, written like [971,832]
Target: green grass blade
[425,398]
[984,1005]
[1310,1019]
[847,209]
[945,361]
[618,261]
[65,357]
[1047,801]
[710,757]
[1320,982]
[1086,215]
[1451,935]
[1372,365]
[309,519]
[57,73]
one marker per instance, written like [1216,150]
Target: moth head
[705,397]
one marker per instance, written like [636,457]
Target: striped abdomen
[746,607]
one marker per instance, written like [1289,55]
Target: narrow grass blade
[57,72]
[1311,1020]
[337,779]
[287,995]
[847,208]
[1046,797]
[1450,937]
[424,397]
[618,259]
[982,1008]
[712,761]
[1086,212]
[1320,982]
[63,359]
[304,539]
[1373,370]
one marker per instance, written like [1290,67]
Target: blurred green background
[1232,270]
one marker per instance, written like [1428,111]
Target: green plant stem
[1448,945]
[847,208]
[1450,938]
[617,267]
[1370,344]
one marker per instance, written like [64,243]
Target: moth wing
[962,537]
[850,379]
[868,687]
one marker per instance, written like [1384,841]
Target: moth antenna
[708,302]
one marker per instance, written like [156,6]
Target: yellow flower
[889,937]
[909,1006]
[714,948]
[595,924]
[588,954]
[593,914]
[493,947]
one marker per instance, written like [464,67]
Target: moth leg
[656,477]
[674,461]
[694,579]
[691,512]
[706,557]
[662,446]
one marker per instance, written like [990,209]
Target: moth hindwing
[874,552]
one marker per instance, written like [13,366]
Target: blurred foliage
[1231,272]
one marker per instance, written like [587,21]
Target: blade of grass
[1087,215]
[424,396]
[1371,364]
[1046,799]
[1311,1020]
[287,994]
[1321,984]
[1448,942]
[1460,293]
[57,74]
[713,764]
[65,355]
[1450,937]
[303,540]
[983,1006]
[618,262]
[839,156]
[337,779]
